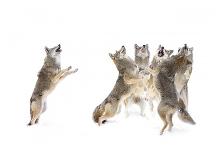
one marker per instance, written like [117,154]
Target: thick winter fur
[142,56]
[164,82]
[141,96]
[128,76]
[161,55]
[183,75]
[49,76]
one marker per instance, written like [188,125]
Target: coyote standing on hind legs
[123,89]
[164,82]
[183,75]
[140,97]
[161,55]
[49,76]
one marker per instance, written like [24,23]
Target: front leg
[64,73]
[131,80]
[61,73]
[67,73]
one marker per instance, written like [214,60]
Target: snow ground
[88,31]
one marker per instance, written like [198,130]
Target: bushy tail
[185,117]
[98,113]
[183,114]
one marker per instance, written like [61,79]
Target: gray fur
[161,55]
[183,75]
[141,96]
[128,74]
[142,56]
[49,76]
[170,103]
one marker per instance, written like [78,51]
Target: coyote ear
[46,49]
[146,45]
[169,52]
[191,49]
[136,46]
[111,56]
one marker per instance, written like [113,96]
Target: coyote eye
[180,110]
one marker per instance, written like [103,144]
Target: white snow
[87,31]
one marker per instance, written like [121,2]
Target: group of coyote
[141,82]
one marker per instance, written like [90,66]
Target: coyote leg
[126,107]
[36,110]
[162,115]
[142,105]
[62,72]
[170,122]
[64,75]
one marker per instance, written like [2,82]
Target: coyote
[164,82]
[129,75]
[141,96]
[49,76]
[183,75]
[161,55]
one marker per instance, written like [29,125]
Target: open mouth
[160,53]
[58,49]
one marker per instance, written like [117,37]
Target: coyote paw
[29,124]
[161,132]
[70,67]
[74,71]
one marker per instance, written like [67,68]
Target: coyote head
[161,55]
[142,52]
[123,62]
[184,57]
[188,52]
[142,55]
[162,52]
[53,55]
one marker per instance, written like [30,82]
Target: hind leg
[163,116]
[44,109]
[35,111]
[142,105]
[170,122]
[149,100]
[126,103]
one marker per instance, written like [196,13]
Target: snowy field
[87,31]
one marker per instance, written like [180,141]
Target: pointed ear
[46,49]
[170,52]
[147,46]
[159,47]
[111,56]
[191,49]
[136,46]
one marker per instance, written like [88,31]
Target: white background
[87,31]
